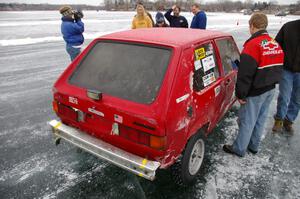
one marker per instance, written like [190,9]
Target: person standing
[176,20]
[161,23]
[159,15]
[72,29]
[288,102]
[141,19]
[148,13]
[199,19]
[259,71]
[159,18]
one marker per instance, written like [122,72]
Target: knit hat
[159,17]
[160,20]
[66,10]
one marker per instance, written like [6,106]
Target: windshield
[125,70]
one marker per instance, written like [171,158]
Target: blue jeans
[73,52]
[288,103]
[252,117]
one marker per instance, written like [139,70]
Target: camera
[77,14]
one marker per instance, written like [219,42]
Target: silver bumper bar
[138,165]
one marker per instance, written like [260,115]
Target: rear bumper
[133,163]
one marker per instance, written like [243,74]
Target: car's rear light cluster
[140,137]
[134,135]
[155,142]
[55,106]
[158,142]
[65,110]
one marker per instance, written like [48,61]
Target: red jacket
[260,67]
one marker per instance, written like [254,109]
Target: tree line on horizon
[129,5]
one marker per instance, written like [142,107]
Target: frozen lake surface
[31,166]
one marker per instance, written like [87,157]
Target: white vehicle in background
[282,13]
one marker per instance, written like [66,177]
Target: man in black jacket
[176,20]
[288,103]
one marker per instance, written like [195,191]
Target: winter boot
[229,149]
[278,124]
[288,127]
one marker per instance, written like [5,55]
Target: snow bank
[29,40]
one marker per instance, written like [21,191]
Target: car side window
[205,66]
[230,56]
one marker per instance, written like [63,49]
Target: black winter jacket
[178,22]
[289,39]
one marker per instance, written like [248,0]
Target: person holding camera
[72,28]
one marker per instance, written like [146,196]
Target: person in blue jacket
[199,19]
[159,15]
[72,28]
[176,20]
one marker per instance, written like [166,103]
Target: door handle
[190,111]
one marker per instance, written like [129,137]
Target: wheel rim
[196,157]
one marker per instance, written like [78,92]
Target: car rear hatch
[112,94]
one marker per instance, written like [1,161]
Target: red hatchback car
[143,99]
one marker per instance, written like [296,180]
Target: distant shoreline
[42,7]
[227,7]
[268,13]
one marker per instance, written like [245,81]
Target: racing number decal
[200,53]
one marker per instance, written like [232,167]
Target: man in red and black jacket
[259,71]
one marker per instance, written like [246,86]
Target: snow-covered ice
[33,56]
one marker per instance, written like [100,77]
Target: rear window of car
[129,71]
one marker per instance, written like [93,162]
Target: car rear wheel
[185,170]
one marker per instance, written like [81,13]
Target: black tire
[180,170]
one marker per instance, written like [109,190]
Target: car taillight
[157,142]
[142,138]
[55,106]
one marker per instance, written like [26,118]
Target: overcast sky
[97,2]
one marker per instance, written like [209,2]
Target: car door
[230,56]
[208,93]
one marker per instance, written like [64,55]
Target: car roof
[166,36]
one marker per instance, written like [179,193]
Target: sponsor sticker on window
[200,53]
[208,63]
[208,79]
[198,65]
